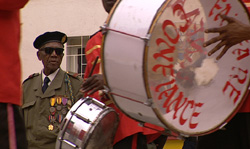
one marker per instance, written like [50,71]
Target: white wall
[73,17]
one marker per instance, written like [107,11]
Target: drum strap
[108,102]
[70,89]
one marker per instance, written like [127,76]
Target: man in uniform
[47,96]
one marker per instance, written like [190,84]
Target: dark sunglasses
[49,50]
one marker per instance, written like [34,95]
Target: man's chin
[53,69]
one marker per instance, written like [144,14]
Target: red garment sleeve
[12,4]
[92,50]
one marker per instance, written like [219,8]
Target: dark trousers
[127,142]
[10,117]
[235,135]
[141,142]
[190,143]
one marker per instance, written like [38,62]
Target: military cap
[47,37]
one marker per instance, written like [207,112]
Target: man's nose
[53,53]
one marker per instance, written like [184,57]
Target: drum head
[101,135]
[193,93]
[156,55]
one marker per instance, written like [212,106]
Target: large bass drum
[158,71]
[88,125]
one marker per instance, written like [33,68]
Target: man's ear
[38,55]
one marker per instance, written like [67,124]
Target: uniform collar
[51,76]
[55,84]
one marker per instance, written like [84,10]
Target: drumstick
[93,67]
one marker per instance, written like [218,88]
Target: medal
[58,107]
[52,118]
[52,110]
[52,101]
[64,101]
[59,118]
[69,103]
[50,127]
[59,100]
[64,111]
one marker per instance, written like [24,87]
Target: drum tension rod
[165,132]
[105,28]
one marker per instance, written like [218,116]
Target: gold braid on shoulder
[70,89]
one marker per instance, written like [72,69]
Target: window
[75,55]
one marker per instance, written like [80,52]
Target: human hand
[231,34]
[93,84]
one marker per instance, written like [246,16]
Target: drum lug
[141,124]
[104,28]
[68,142]
[98,103]
[81,117]
[181,136]
[146,39]
[148,102]
[106,90]
[222,127]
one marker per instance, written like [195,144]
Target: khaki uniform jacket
[37,111]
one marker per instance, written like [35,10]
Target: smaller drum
[89,124]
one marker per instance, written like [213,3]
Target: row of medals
[59,107]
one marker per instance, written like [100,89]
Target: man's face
[51,62]
[108,4]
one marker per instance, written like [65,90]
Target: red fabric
[12,5]
[134,141]
[92,50]
[246,1]
[10,88]
[127,126]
